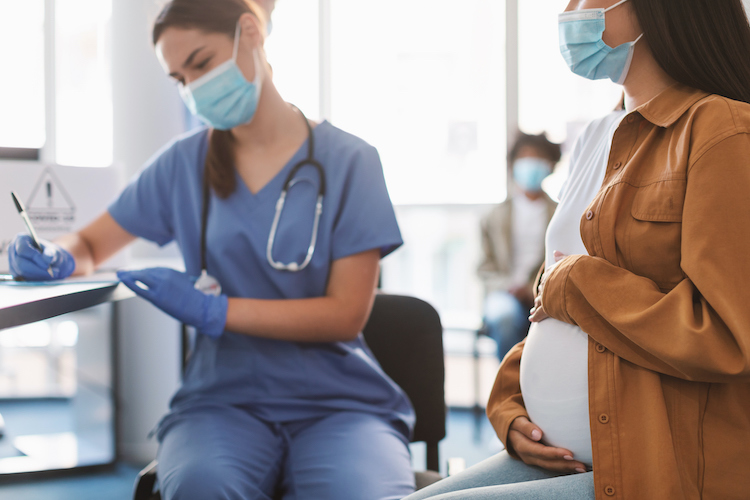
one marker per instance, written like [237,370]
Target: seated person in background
[513,241]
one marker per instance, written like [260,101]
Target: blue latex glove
[28,263]
[174,293]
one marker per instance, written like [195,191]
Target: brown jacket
[663,296]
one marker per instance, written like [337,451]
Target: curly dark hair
[546,148]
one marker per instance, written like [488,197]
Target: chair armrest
[144,483]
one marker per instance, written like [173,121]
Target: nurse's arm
[338,316]
[95,243]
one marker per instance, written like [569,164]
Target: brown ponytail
[211,16]
[220,163]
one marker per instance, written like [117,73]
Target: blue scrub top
[279,381]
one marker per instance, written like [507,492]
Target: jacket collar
[667,107]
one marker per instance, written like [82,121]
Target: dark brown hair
[211,16]
[546,148]
[704,44]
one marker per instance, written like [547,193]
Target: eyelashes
[203,63]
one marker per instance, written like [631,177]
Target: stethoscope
[210,285]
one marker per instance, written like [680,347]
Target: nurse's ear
[252,36]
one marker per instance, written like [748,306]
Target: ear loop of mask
[629,61]
[257,81]
[615,5]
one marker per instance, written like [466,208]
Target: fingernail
[536,435]
[579,470]
[568,457]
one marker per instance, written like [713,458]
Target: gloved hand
[174,293]
[28,263]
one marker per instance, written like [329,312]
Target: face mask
[529,173]
[584,50]
[223,98]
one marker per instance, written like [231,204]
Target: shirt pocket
[656,232]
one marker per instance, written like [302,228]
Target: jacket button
[610,491]
[589,215]
[617,165]
[631,119]
[604,418]
[600,348]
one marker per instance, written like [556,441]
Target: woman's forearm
[95,243]
[81,252]
[319,319]
[338,316]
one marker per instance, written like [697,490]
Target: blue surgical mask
[584,50]
[529,173]
[223,98]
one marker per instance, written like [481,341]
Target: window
[424,82]
[83,83]
[293,54]
[22,99]
[56,93]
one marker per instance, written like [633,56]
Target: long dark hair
[704,44]
[211,16]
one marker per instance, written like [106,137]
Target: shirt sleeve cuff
[554,293]
[501,418]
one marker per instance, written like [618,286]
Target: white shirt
[554,364]
[529,225]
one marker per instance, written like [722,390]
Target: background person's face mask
[223,98]
[584,50]
[528,173]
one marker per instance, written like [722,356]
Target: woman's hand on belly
[537,313]
[525,438]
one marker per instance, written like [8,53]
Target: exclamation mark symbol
[49,194]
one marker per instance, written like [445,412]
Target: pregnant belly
[554,384]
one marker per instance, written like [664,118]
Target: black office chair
[406,337]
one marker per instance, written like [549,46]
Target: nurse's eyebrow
[188,61]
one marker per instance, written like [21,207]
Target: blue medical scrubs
[256,417]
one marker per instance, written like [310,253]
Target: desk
[23,304]
[57,433]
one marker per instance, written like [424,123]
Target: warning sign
[49,206]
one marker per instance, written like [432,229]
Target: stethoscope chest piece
[208,284]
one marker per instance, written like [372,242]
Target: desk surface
[26,303]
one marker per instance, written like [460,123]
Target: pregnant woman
[554,367]
[634,381]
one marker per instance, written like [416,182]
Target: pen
[25,217]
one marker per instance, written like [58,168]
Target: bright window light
[292,50]
[424,82]
[83,83]
[67,333]
[32,335]
[22,115]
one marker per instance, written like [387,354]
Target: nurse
[281,395]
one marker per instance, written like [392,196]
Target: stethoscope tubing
[289,182]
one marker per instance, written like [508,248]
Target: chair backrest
[406,337]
